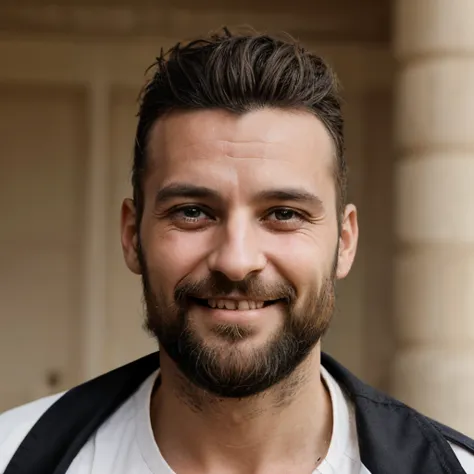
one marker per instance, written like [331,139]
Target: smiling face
[238,245]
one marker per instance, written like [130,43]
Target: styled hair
[239,73]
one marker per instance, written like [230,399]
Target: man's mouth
[232,304]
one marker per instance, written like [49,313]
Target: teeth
[243,305]
[230,304]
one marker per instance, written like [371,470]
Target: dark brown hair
[239,73]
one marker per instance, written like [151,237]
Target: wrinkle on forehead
[265,134]
[244,149]
[231,149]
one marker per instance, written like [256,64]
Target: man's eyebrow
[185,190]
[290,194]
[192,191]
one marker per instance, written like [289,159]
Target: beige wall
[42,135]
[68,304]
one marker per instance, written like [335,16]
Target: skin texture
[266,228]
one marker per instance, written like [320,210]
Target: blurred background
[70,75]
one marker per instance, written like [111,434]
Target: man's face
[238,245]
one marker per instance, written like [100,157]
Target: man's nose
[237,252]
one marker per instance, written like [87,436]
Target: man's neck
[197,432]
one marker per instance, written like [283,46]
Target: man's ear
[129,236]
[347,241]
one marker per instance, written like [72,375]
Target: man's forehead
[265,133]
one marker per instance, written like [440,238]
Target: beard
[230,372]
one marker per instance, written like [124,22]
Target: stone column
[434,363]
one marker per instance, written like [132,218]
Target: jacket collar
[393,438]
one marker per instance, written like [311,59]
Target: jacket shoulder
[453,436]
[17,422]
[392,434]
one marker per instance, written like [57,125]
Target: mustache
[217,285]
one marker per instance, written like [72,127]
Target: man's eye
[189,215]
[284,214]
[192,212]
[284,219]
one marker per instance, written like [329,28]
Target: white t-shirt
[125,442]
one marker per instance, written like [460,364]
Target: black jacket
[393,438]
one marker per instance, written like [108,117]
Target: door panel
[42,144]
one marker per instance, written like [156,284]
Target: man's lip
[213,300]
[230,298]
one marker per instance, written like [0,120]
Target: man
[239,228]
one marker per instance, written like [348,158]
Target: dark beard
[227,373]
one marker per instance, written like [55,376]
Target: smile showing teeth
[240,305]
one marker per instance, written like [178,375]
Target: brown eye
[284,219]
[284,214]
[192,212]
[191,217]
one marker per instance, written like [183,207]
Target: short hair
[240,73]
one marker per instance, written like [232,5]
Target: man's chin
[231,352]
[221,367]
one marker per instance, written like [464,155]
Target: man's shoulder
[385,421]
[465,458]
[17,422]
[26,415]
[462,445]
